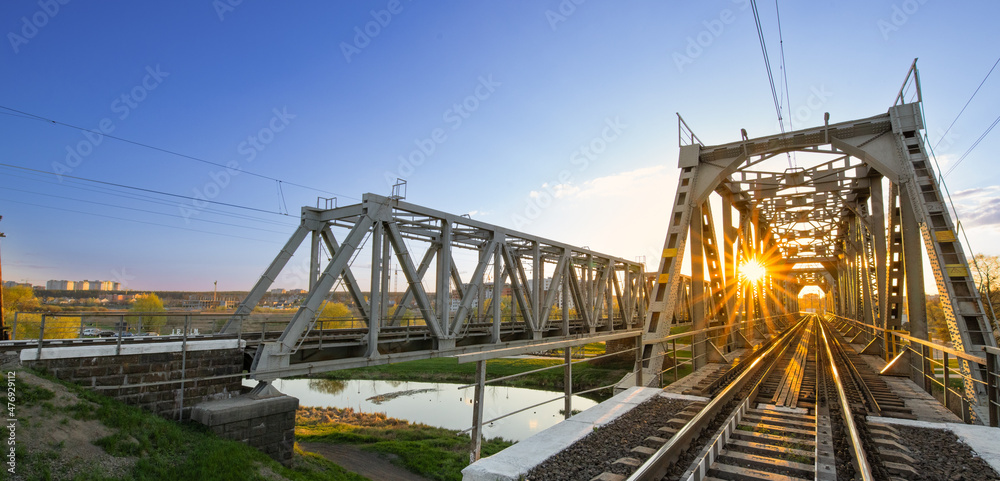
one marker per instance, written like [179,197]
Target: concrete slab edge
[683,397]
[241,408]
[67,352]
[514,462]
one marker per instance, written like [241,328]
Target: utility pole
[3,323]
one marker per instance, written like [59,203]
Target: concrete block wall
[622,346]
[267,424]
[140,374]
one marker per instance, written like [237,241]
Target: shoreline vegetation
[434,453]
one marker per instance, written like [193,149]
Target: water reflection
[328,386]
[436,404]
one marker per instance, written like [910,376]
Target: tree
[986,272]
[19,299]
[328,386]
[337,312]
[936,323]
[56,327]
[146,303]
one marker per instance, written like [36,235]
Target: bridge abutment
[265,423]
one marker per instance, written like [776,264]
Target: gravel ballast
[940,455]
[594,454]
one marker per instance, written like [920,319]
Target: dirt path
[369,465]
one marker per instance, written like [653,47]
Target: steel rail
[704,461]
[860,458]
[865,390]
[657,465]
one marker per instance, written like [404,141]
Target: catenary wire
[160,149]
[967,103]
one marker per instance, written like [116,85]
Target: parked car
[115,334]
[91,332]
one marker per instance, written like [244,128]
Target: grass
[680,328]
[435,453]
[166,450]
[585,375]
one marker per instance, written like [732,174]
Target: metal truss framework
[822,224]
[523,290]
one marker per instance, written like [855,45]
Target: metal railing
[909,92]
[993,384]
[103,327]
[931,367]
[685,136]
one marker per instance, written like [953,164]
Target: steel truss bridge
[847,207]
[525,293]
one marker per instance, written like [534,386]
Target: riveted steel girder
[510,296]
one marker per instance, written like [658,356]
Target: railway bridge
[848,209]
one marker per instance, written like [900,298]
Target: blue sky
[505,92]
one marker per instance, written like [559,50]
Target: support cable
[967,103]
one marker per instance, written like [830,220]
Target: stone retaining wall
[149,375]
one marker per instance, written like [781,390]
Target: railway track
[782,416]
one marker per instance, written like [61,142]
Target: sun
[753,271]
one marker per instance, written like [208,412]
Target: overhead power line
[104,190]
[767,67]
[967,104]
[167,151]
[973,146]
[146,211]
[134,220]
[784,69]
[144,189]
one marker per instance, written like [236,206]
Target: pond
[436,404]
